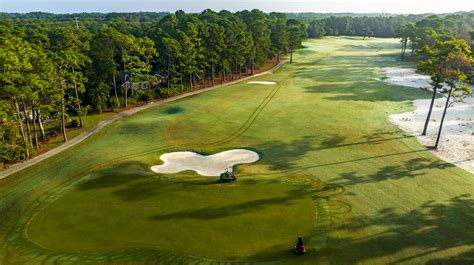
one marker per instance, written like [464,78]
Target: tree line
[426,32]
[443,50]
[461,24]
[53,67]
[441,45]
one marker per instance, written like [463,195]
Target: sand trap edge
[211,165]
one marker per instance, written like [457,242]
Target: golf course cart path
[211,165]
[20,166]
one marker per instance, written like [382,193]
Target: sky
[320,6]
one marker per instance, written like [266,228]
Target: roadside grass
[90,121]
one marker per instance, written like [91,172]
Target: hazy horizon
[299,6]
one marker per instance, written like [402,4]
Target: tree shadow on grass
[466,257]
[280,155]
[338,141]
[210,213]
[271,255]
[143,189]
[117,175]
[332,74]
[350,61]
[408,169]
[366,91]
[430,230]
[370,47]
[173,110]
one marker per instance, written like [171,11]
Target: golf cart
[299,247]
[227,176]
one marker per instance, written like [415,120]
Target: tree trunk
[40,123]
[402,55]
[204,77]
[212,73]
[79,112]
[169,72]
[232,72]
[291,55]
[125,87]
[191,81]
[251,66]
[278,57]
[223,74]
[236,71]
[442,119]
[22,131]
[425,129]
[115,90]
[28,129]
[35,131]
[63,118]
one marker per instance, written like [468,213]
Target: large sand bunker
[457,140]
[211,165]
[405,77]
[262,83]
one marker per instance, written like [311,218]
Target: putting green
[332,168]
[202,218]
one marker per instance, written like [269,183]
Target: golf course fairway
[332,169]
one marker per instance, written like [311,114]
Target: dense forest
[460,24]
[55,69]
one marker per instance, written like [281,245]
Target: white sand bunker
[457,140]
[212,165]
[405,77]
[262,82]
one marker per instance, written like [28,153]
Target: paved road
[20,166]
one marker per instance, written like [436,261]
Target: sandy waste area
[457,139]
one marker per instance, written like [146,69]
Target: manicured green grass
[332,168]
[89,122]
[151,212]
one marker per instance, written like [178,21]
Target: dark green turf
[131,211]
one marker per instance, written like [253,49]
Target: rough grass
[328,152]
[89,122]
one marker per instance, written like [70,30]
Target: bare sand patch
[211,165]
[457,140]
[405,77]
[262,82]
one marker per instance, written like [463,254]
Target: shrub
[73,124]
[142,95]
